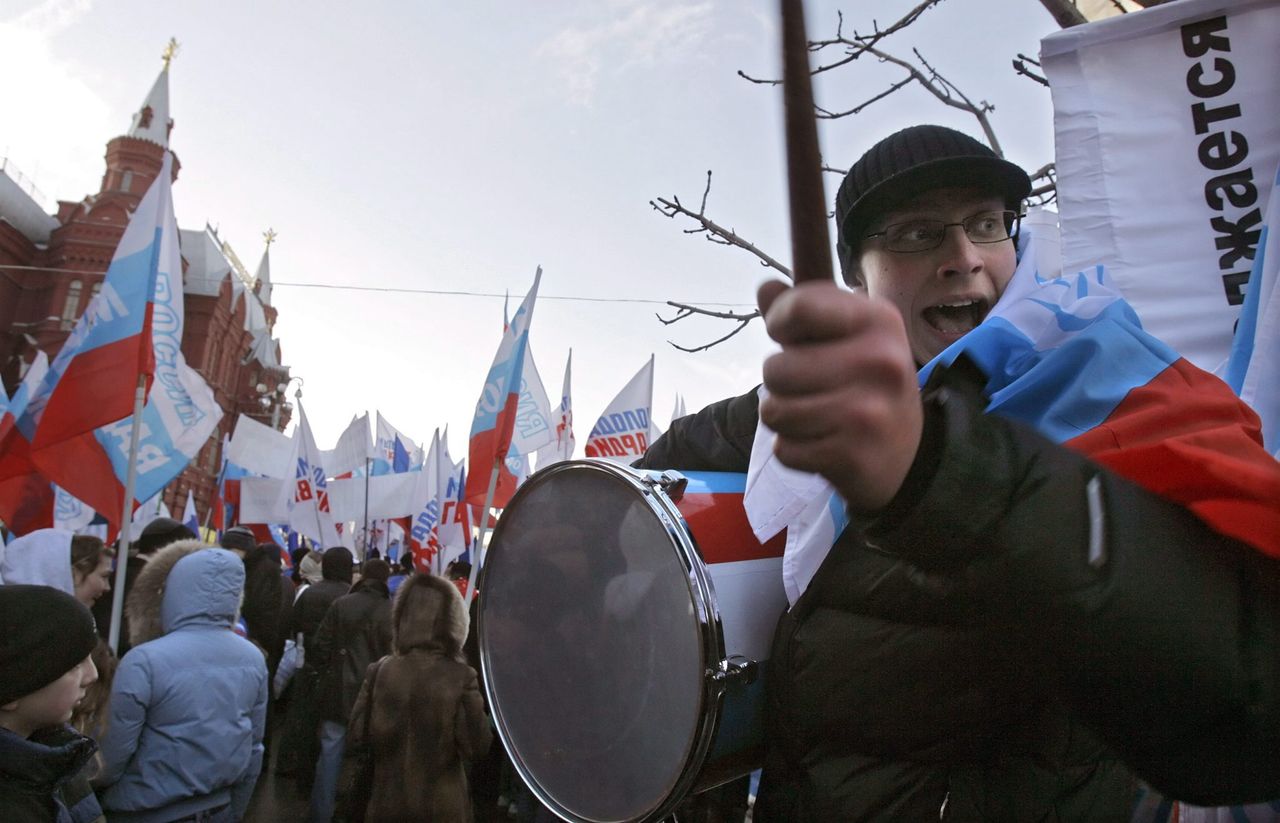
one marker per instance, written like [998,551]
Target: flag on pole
[622,432]
[495,418]
[561,448]
[394,452]
[26,497]
[454,529]
[310,513]
[533,428]
[423,535]
[189,517]
[93,379]
[352,450]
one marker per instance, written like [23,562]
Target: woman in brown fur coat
[427,717]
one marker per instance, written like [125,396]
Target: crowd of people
[222,650]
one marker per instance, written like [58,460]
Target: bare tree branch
[684,310]
[714,232]
[1020,66]
[856,45]
[1064,12]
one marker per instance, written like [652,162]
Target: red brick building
[51,265]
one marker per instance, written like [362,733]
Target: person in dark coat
[355,632]
[423,709]
[262,591]
[1004,628]
[45,668]
[299,747]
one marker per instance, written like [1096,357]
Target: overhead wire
[408,290]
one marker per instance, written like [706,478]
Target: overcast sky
[456,146]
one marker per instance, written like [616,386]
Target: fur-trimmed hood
[143,606]
[428,613]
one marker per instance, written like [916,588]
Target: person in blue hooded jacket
[188,708]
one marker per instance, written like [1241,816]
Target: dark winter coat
[355,632]
[954,655]
[42,779]
[427,718]
[310,608]
[263,584]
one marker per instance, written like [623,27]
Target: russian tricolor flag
[492,427]
[1068,356]
[92,381]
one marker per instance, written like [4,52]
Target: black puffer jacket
[958,654]
[355,632]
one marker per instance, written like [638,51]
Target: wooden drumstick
[810,240]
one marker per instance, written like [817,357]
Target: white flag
[622,433]
[310,514]
[260,449]
[561,448]
[352,450]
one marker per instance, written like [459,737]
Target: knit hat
[161,532]
[909,163]
[44,633]
[337,564]
[238,537]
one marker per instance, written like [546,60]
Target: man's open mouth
[957,317]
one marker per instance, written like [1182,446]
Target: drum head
[592,645]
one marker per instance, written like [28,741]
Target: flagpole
[366,506]
[126,520]
[484,526]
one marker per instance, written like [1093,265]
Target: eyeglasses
[926,235]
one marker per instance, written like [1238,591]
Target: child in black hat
[46,637]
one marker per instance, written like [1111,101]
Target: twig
[857,44]
[714,232]
[1020,66]
[684,310]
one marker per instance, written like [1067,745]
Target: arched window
[126,180]
[71,307]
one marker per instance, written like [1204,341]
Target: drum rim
[706,614]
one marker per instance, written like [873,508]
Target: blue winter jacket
[188,709]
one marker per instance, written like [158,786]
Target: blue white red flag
[1140,410]
[92,380]
[561,448]
[494,423]
[534,428]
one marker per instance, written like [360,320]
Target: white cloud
[642,34]
[54,130]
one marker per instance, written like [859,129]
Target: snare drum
[623,621]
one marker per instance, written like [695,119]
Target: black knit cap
[908,163]
[161,532]
[337,564]
[238,537]
[44,633]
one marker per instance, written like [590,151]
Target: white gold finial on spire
[170,51]
[270,236]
